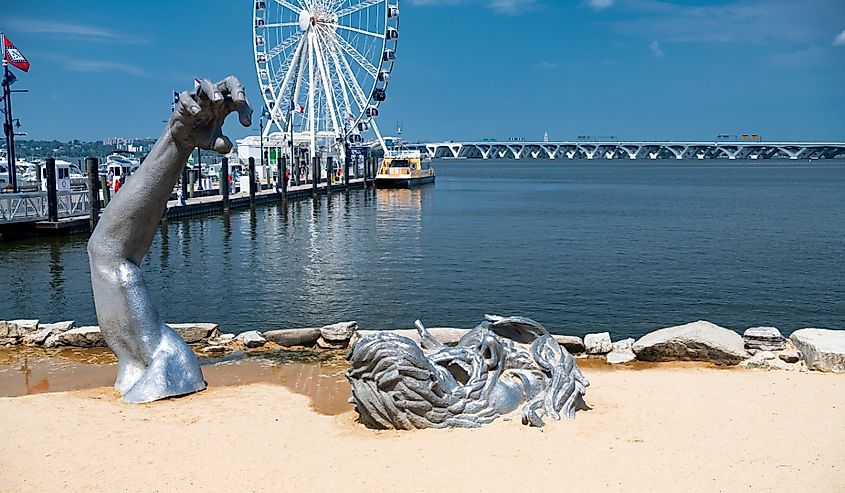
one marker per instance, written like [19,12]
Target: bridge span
[632,150]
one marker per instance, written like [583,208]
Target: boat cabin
[62,176]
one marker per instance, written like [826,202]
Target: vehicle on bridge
[404,169]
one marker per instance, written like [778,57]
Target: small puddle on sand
[316,375]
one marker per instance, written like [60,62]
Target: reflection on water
[316,375]
[583,247]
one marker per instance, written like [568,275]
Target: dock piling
[252,183]
[346,174]
[224,183]
[92,167]
[330,174]
[315,173]
[283,176]
[52,196]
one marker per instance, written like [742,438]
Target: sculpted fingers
[232,87]
[222,144]
[245,113]
[188,104]
[208,90]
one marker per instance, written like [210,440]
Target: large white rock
[38,337]
[58,327]
[573,344]
[13,329]
[622,352]
[339,332]
[697,341]
[80,337]
[764,338]
[598,343]
[197,332]
[822,349]
[251,339]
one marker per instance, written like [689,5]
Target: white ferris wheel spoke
[328,88]
[288,76]
[311,88]
[360,31]
[280,24]
[290,6]
[297,91]
[356,55]
[355,8]
[353,82]
[279,48]
[342,80]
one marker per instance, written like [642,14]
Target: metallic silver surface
[153,361]
[500,365]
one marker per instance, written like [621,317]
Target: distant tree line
[74,149]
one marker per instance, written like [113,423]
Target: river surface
[624,246]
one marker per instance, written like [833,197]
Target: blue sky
[467,69]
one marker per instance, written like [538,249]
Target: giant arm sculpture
[500,365]
[153,361]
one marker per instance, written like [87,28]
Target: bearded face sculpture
[498,366]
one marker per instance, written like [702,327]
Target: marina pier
[69,212]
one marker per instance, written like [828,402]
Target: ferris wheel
[324,65]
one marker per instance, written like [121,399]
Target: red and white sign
[14,56]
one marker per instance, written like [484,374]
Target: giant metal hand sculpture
[495,368]
[153,361]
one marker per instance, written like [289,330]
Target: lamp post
[10,123]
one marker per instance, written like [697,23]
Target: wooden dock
[197,206]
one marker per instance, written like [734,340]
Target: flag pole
[9,129]
[6,123]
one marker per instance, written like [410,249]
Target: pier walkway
[25,214]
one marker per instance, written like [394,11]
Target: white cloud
[512,7]
[98,66]
[656,50]
[79,31]
[839,40]
[805,57]
[80,65]
[547,65]
[600,4]
[748,21]
[506,7]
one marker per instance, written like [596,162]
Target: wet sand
[669,428]
[27,371]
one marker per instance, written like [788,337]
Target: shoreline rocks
[764,339]
[822,349]
[337,336]
[696,341]
[598,344]
[197,332]
[622,352]
[758,348]
[251,339]
[85,337]
[294,337]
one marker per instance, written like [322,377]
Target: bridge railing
[33,206]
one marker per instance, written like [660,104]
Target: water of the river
[580,246]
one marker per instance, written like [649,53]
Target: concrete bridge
[632,150]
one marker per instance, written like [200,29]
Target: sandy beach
[679,427]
